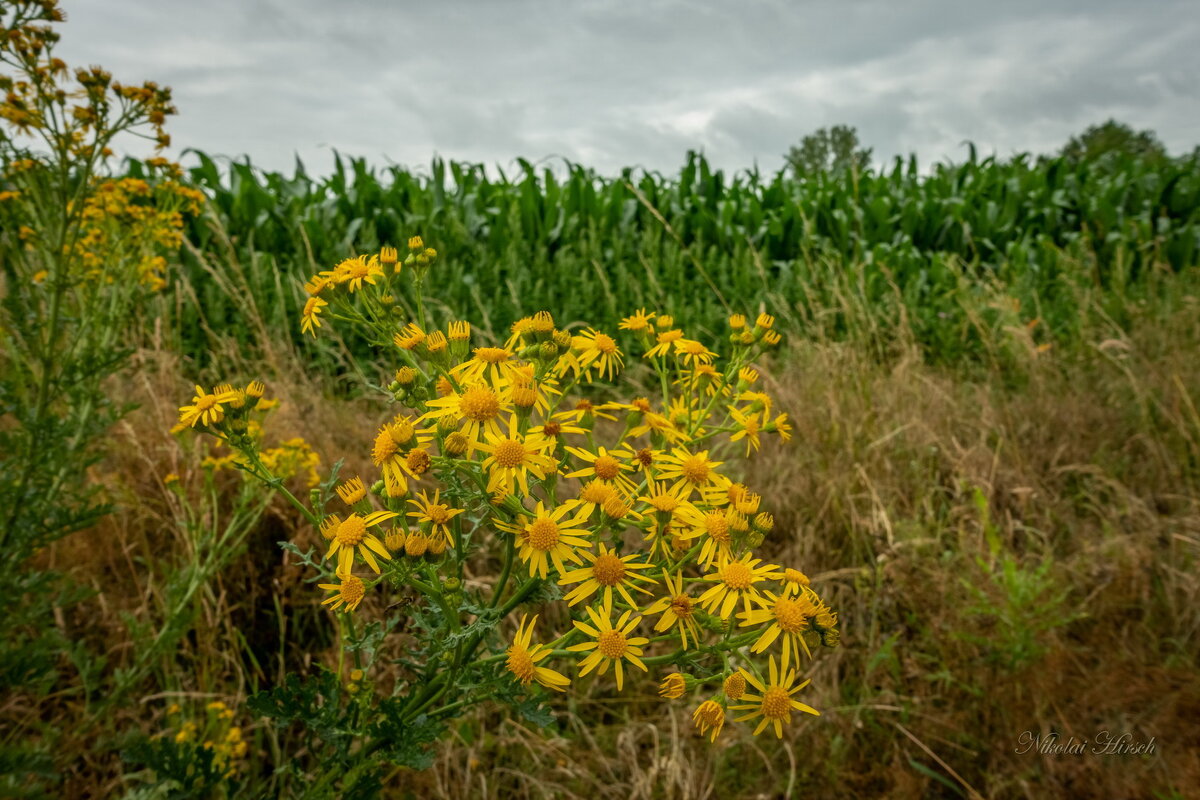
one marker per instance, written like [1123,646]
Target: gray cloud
[613,83]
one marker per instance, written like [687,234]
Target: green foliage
[1014,603]
[1116,139]
[181,770]
[834,149]
[928,249]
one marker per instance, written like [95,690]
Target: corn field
[594,245]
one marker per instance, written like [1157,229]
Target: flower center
[608,569]
[682,606]
[605,343]
[735,686]
[611,644]
[509,453]
[352,589]
[596,492]
[615,507]
[645,456]
[790,615]
[543,533]
[402,431]
[695,468]
[640,404]
[664,502]
[520,664]
[694,348]
[551,429]
[717,527]
[606,468]
[776,704]
[795,576]
[419,461]
[479,403]
[385,447]
[492,355]
[352,531]
[206,402]
[737,575]
[438,513]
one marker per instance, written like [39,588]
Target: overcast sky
[639,82]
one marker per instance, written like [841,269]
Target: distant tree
[828,150]
[1113,137]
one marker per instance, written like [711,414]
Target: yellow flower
[352,533]
[608,571]
[612,644]
[692,470]
[595,493]
[410,338]
[639,321]
[788,616]
[435,513]
[513,457]
[597,350]
[775,705]
[781,426]
[206,409]
[672,687]
[493,365]
[665,340]
[714,525]
[523,658]
[349,592]
[309,321]
[549,537]
[359,269]
[748,427]
[693,353]
[387,452]
[709,716]
[794,581]
[735,580]
[605,465]
[677,608]
[352,491]
[477,406]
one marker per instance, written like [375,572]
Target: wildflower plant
[81,252]
[621,544]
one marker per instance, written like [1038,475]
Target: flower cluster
[132,222]
[215,731]
[38,102]
[621,510]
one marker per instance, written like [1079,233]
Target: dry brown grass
[1088,463]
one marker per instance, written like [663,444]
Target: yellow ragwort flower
[550,536]
[349,592]
[524,657]
[677,608]
[607,571]
[436,514]
[775,704]
[206,409]
[611,644]
[733,581]
[352,534]
[709,718]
